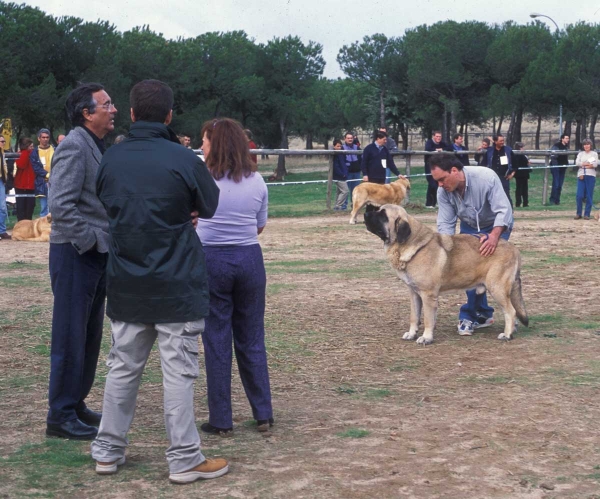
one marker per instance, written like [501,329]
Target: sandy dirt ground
[359,412]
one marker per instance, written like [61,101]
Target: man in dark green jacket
[156,280]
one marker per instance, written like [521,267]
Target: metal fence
[543,161]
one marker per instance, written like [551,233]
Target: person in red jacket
[25,181]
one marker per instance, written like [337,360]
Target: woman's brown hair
[229,153]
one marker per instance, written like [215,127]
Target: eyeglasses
[107,105]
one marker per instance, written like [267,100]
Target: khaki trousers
[178,347]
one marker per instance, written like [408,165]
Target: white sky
[332,23]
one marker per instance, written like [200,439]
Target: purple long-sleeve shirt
[242,210]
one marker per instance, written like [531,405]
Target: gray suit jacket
[78,217]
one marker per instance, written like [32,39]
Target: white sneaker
[465,327]
[109,468]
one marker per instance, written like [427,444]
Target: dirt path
[359,412]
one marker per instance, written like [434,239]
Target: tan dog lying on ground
[33,230]
[431,263]
[378,195]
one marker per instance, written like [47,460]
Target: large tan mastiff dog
[431,263]
[33,230]
[378,195]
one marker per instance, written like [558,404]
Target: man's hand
[365,178]
[488,242]
[194,215]
[510,175]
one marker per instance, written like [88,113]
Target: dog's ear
[403,231]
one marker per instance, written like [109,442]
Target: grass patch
[46,466]
[491,380]
[275,289]
[23,281]
[346,390]
[21,265]
[353,433]
[377,393]
[405,365]
[298,266]
[20,383]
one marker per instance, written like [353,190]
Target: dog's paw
[352,222]
[422,340]
[504,337]
[409,336]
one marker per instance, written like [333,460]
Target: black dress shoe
[213,430]
[89,417]
[73,430]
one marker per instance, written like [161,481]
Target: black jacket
[431,146]
[520,164]
[372,165]
[149,185]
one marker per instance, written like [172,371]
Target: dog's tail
[516,298]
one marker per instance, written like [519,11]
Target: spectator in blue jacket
[340,175]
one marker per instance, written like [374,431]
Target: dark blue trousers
[79,287]
[237,283]
[558,179]
[477,304]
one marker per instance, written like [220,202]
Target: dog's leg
[416,305]
[502,295]
[356,206]
[430,304]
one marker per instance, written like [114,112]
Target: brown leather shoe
[210,468]
[577,217]
[586,218]
[5,235]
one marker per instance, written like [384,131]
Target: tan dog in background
[33,230]
[597,216]
[431,263]
[378,195]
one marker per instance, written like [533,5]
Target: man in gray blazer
[78,254]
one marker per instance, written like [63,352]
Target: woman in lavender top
[236,278]
[587,161]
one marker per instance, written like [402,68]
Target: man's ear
[132,115]
[169,118]
[403,231]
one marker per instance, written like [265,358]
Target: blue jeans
[3,210]
[79,288]
[585,189]
[43,206]
[354,178]
[558,179]
[237,284]
[477,304]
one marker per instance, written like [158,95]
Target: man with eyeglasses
[78,254]
[3,179]
[474,196]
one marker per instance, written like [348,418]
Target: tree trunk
[464,129]
[326,143]
[382,108]
[403,129]
[537,132]
[511,127]
[452,128]
[567,128]
[516,137]
[309,144]
[578,134]
[281,172]
[592,133]
[445,123]
[499,129]
[584,127]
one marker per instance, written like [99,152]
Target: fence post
[329,181]
[545,189]
[408,156]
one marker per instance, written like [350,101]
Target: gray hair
[587,141]
[43,130]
